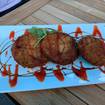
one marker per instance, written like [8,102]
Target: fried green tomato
[60,48]
[93,50]
[26,54]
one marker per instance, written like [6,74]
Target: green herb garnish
[41,33]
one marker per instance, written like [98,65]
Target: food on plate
[38,46]
[26,54]
[60,48]
[93,50]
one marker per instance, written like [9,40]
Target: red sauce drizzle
[26,32]
[4,72]
[78,31]
[60,28]
[12,35]
[96,31]
[13,81]
[40,75]
[58,73]
[81,73]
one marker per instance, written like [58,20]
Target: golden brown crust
[93,50]
[26,54]
[60,48]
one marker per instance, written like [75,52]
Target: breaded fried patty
[60,48]
[26,54]
[93,50]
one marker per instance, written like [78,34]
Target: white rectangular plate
[31,83]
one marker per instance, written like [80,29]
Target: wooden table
[59,12]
